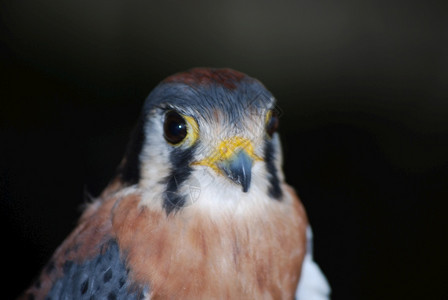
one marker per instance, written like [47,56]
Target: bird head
[206,129]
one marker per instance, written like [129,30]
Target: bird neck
[185,254]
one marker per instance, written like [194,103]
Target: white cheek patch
[155,163]
[205,187]
[208,190]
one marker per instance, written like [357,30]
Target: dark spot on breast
[107,276]
[205,76]
[31,296]
[111,296]
[261,275]
[84,286]
[121,282]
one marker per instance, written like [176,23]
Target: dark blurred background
[362,87]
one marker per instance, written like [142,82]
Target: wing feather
[312,285]
[89,262]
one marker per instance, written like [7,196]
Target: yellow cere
[193,130]
[226,149]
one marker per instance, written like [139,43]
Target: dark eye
[272,123]
[174,127]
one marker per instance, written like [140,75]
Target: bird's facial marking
[233,158]
[179,129]
[272,122]
[269,154]
[180,160]
[205,125]
[225,150]
[204,76]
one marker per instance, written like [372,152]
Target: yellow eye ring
[193,130]
[178,129]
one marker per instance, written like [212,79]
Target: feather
[313,285]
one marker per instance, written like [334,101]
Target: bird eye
[272,122]
[174,127]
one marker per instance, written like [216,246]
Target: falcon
[198,209]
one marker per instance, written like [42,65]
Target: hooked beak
[233,158]
[238,168]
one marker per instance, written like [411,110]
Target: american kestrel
[199,207]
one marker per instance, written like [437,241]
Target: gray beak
[238,168]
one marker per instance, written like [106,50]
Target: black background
[363,91]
